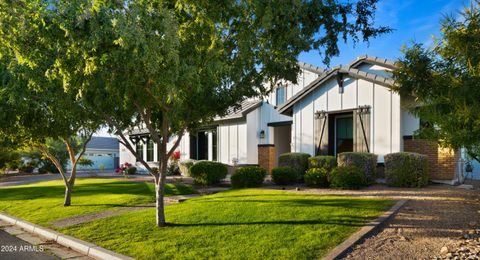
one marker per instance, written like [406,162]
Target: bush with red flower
[173,168]
[126,169]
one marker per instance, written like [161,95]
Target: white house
[346,108]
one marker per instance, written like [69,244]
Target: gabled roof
[351,71]
[372,60]
[239,112]
[311,68]
[104,143]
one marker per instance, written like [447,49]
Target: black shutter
[321,133]
[362,129]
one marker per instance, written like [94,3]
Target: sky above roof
[412,21]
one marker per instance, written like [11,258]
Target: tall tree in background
[172,65]
[445,80]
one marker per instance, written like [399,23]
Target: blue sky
[413,20]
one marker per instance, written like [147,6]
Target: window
[150,151]
[214,145]
[281,98]
[139,149]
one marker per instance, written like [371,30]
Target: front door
[343,133]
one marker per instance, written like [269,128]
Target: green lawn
[238,224]
[43,202]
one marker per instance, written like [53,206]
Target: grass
[42,203]
[238,224]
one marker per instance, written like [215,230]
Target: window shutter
[321,133]
[362,129]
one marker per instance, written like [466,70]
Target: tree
[171,66]
[445,80]
[38,113]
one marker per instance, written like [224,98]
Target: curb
[78,245]
[373,226]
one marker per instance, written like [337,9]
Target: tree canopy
[445,80]
[37,112]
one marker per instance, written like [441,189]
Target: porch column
[210,146]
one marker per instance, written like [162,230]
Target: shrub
[47,167]
[208,173]
[85,162]
[406,169]
[284,175]
[316,177]
[326,162]
[297,161]
[126,169]
[249,176]
[185,165]
[366,162]
[347,177]
[131,170]
[28,167]
[13,165]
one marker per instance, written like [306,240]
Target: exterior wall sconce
[262,134]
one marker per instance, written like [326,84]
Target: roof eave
[374,78]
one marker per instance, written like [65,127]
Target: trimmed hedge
[406,169]
[208,173]
[249,176]
[316,177]
[347,177]
[185,165]
[327,162]
[366,162]
[297,161]
[284,175]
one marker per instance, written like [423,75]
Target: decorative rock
[444,250]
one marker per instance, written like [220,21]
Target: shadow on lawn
[350,221]
[366,204]
[80,190]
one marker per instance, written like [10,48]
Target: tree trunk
[68,195]
[159,188]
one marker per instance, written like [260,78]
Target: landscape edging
[373,226]
[78,245]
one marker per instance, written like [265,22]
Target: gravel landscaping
[435,217]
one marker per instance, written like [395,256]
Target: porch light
[262,134]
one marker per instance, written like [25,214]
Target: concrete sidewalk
[16,243]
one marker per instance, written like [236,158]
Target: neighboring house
[346,108]
[103,152]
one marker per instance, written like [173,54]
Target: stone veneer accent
[442,161]
[266,157]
